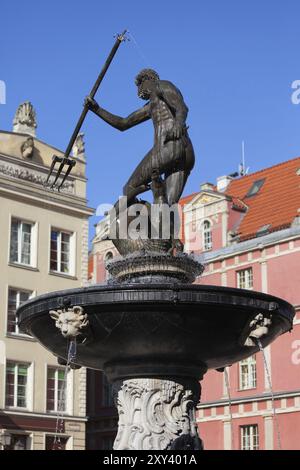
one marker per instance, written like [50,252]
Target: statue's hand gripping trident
[66,161]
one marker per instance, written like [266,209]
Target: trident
[65,160]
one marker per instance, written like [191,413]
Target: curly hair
[146,74]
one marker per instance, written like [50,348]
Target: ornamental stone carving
[25,119]
[259,327]
[157,414]
[71,321]
[27,148]
[13,171]
[79,146]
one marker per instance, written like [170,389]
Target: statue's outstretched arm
[120,123]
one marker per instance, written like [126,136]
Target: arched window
[108,257]
[207,235]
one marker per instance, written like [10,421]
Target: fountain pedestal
[157,414]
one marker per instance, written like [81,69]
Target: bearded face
[144,89]
[145,81]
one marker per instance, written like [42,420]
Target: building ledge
[33,414]
[23,266]
[249,399]
[20,336]
[66,276]
[250,245]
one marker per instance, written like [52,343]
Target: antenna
[243,155]
[242,166]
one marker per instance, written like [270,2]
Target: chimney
[223,183]
[207,187]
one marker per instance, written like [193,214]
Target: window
[247,373]
[19,442]
[255,188]
[16,394]
[60,252]
[249,437]
[21,242]
[56,390]
[207,236]
[60,443]
[107,392]
[108,257]
[245,279]
[16,298]
[194,221]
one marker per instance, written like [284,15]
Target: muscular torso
[162,118]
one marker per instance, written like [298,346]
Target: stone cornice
[249,399]
[257,243]
[22,163]
[33,414]
[31,195]
[55,149]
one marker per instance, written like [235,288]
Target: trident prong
[65,160]
[122,36]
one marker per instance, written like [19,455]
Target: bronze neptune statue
[172,154]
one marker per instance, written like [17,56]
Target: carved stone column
[157,414]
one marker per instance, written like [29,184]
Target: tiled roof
[238,204]
[276,203]
[185,200]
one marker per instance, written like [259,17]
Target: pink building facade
[267,262]
[247,232]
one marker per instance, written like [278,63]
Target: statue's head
[27,147]
[145,80]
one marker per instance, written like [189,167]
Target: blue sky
[234,62]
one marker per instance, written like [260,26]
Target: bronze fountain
[150,329]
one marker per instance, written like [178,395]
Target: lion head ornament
[71,321]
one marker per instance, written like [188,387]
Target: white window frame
[245,278]
[19,290]
[248,379]
[68,392]
[28,436]
[249,437]
[206,235]
[29,386]
[108,257]
[72,252]
[194,220]
[33,242]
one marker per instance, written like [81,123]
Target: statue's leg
[140,178]
[175,183]
[137,184]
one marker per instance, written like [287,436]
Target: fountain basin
[157,329]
